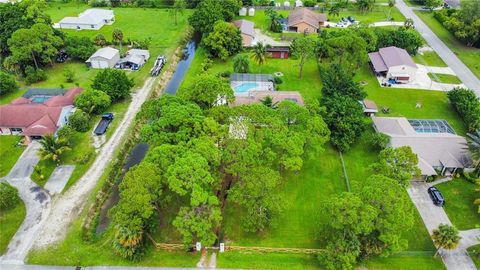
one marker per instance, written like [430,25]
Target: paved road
[462,71]
[37,204]
[433,216]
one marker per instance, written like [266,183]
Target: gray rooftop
[389,57]
[245,27]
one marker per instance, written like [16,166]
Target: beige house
[440,151]
[246,31]
[393,63]
[303,20]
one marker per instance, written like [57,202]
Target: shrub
[225,74]
[100,40]
[309,3]
[467,106]
[92,101]
[84,158]
[69,75]
[207,64]
[277,80]
[379,141]
[66,132]
[34,75]
[79,48]
[79,121]
[8,196]
[7,83]
[241,64]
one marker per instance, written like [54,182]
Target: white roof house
[437,146]
[394,63]
[92,19]
[135,59]
[105,57]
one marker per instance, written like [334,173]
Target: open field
[459,197]
[429,58]
[469,56]
[444,78]
[10,152]
[10,221]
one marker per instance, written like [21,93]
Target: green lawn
[429,58]
[469,56]
[459,196]
[475,254]
[10,151]
[402,102]
[10,220]
[444,78]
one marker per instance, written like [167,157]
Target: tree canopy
[223,41]
[207,91]
[397,163]
[114,83]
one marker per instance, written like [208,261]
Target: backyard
[469,56]
[459,197]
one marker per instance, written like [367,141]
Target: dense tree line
[202,159]
[464,23]
[467,106]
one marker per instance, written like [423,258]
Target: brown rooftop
[307,16]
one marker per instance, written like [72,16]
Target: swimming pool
[245,87]
[39,99]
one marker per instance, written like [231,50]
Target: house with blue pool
[243,83]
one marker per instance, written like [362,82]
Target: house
[303,20]
[439,149]
[90,19]
[37,113]
[394,64]
[134,60]
[277,97]
[106,57]
[246,31]
[279,52]
[369,107]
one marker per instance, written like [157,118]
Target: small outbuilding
[279,52]
[303,20]
[394,64]
[134,60]
[369,107]
[90,19]
[246,31]
[242,11]
[106,57]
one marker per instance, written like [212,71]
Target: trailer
[159,63]
[103,124]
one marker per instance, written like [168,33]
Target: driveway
[433,216]
[261,37]
[37,204]
[463,72]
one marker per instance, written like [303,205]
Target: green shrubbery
[8,196]
[79,121]
[467,106]
[7,83]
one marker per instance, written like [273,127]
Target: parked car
[103,124]
[436,196]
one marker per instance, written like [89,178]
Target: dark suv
[436,196]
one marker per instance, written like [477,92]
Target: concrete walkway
[462,71]
[59,178]
[433,216]
[37,204]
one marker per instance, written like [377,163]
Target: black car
[103,124]
[436,196]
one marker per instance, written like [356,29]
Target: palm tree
[408,23]
[117,36]
[334,10]
[52,148]
[473,143]
[241,64]
[365,5]
[268,101]
[445,237]
[259,53]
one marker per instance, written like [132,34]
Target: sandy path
[68,206]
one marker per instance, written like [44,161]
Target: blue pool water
[40,99]
[245,87]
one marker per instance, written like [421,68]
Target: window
[15,129]
[92,26]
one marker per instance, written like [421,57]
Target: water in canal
[182,68]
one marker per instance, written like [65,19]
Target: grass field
[459,196]
[475,254]
[10,152]
[444,78]
[429,58]
[469,56]
[10,220]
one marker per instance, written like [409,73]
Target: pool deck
[258,86]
